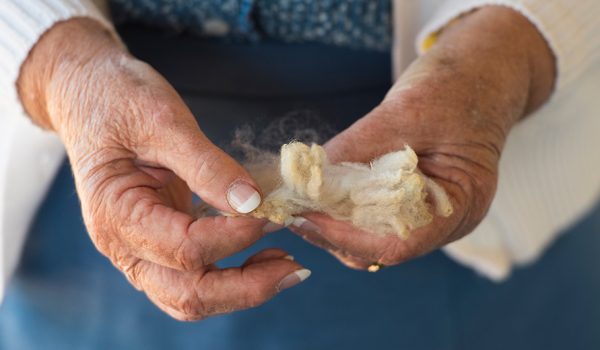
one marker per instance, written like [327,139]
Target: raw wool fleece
[387,196]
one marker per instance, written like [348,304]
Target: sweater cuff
[22,23]
[570,28]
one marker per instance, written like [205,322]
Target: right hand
[137,155]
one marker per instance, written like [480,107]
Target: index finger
[190,296]
[383,249]
[140,217]
[163,235]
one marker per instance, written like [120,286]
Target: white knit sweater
[549,172]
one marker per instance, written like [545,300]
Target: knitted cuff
[22,23]
[570,28]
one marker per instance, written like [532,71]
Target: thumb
[209,172]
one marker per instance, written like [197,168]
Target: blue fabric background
[65,295]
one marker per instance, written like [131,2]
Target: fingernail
[243,198]
[306,225]
[289,257]
[271,227]
[293,279]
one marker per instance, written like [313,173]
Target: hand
[137,154]
[455,107]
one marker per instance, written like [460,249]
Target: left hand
[455,107]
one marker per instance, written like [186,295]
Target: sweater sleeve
[29,157]
[570,27]
[548,173]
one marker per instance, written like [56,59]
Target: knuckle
[165,115]
[208,304]
[188,256]
[475,199]
[198,298]
[165,108]
[132,271]
[94,219]
[139,211]
[95,231]
[208,167]
[482,197]
[190,306]
[394,253]
[184,308]
[100,235]
[185,317]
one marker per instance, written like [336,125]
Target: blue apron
[65,295]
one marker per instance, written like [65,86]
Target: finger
[351,261]
[138,213]
[252,284]
[163,235]
[383,249]
[319,241]
[196,295]
[312,236]
[386,249]
[268,254]
[180,316]
[211,173]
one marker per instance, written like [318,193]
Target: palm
[459,153]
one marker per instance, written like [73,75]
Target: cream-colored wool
[387,196]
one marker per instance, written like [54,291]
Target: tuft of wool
[388,196]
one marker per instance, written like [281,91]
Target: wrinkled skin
[455,107]
[137,155]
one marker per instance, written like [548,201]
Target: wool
[388,196]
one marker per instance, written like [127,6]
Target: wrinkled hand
[455,107]
[137,155]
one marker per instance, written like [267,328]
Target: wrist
[476,82]
[504,45]
[58,60]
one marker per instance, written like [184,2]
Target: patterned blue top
[362,24]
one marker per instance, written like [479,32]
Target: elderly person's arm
[455,106]
[29,156]
[137,156]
